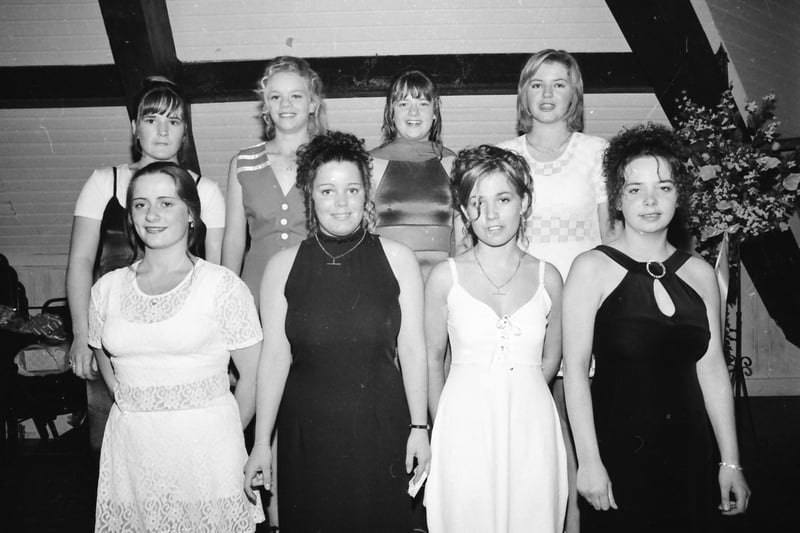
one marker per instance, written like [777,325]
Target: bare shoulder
[552,277]
[700,276]
[281,263]
[592,276]
[396,251]
[588,261]
[440,278]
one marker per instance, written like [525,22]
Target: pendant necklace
[497,287]
[335,257]
[553,150]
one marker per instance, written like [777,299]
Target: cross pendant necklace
[497,287]
[335,257]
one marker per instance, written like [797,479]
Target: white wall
[211,30]
[762,39]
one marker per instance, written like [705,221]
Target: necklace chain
[549,150]
[335,257]
[496,286]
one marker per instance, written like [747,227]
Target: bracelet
[419,426]
[731,465]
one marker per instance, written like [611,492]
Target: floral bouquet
[744,185]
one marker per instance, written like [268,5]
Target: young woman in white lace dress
[164,330]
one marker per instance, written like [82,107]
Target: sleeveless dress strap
[114,194]
[541,271]
[676,261]
[453,271]
[623,260]
[671,263]
[197,181]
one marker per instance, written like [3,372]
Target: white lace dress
[173,450]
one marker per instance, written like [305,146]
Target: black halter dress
[649,415]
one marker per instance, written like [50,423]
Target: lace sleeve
[236,313]
[97,312]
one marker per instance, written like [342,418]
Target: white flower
[708,172]
[791,182]
[769,162]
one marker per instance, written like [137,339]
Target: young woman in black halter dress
[336,309]
[650,315]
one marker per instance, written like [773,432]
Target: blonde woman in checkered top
[569,214]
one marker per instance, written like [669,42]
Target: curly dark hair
[472,164]
[185,189]
[653,140]
[327,147]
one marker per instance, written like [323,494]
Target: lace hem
[172,397]
[169,514]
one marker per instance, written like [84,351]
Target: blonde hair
[317,120]
[574,117]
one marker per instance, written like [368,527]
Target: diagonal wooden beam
[141,42]
[672,51]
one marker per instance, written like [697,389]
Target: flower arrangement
[743,186]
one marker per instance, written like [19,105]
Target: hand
[732,481]
[418,447]
[594,485]
[81,359]
[258,469]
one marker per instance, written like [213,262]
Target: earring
[191,224]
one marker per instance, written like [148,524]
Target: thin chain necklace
[496,286]
[335,257]
[552,150]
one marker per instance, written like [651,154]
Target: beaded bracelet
[419,426]
[731,465]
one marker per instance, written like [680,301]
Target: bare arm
[214,244]
[82,252]
[411,350]
[106,370]
[235,232]
[436,288]
[246,361]
[581,300]
[273,366]
[712,373]
[551,353]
